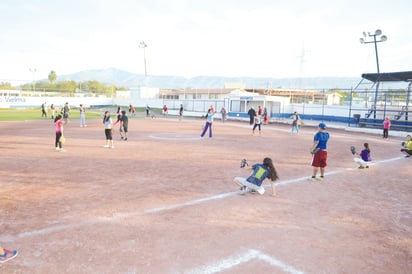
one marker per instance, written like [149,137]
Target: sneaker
[319,178]
[106,146]
[312,179]
[62,150]
[121,138]
[57,148]
[8,255]
[125,139]
[261,190]
[243,190]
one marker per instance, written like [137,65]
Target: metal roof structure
[402,76]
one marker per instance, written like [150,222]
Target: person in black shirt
[252,114]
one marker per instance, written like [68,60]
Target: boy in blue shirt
[319,151]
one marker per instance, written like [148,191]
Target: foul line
[244,258]
[57,228]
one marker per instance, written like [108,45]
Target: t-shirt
[258,174]
[108,123]
[386,124]
[366,155]
[296,118]
[210,117]
[323,138]
[59,126]
[125,120]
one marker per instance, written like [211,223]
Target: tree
[52,77]
[6,85]
[66,86]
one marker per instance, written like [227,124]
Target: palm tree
[52,76]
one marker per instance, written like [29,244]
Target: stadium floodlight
[382,38]
[143,45]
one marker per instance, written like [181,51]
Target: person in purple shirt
[364,157]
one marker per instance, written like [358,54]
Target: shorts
[407,151]
[260,189]
[108,133]
[320,158]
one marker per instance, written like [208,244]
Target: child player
[259,173]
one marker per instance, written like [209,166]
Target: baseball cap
[322,126]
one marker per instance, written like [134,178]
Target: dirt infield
[164,201]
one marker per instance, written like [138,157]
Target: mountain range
[122,78]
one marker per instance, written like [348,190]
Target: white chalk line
[235,260]
[114,217]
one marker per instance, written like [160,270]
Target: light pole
[33,70]
[144,46]
[383,38]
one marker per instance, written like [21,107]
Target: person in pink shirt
[59,132]
[386,127]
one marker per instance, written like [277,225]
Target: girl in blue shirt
[209,121]
[259,173]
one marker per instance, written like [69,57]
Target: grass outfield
[35,114]
[29,114]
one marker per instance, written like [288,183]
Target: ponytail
[269,164]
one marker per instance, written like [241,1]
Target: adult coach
[252,114]
[319,151]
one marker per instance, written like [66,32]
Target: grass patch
[28,114]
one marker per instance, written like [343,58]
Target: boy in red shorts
[319,151]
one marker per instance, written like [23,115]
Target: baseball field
[164,201]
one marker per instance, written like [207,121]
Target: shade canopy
[402,76]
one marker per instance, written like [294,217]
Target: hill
[124,78]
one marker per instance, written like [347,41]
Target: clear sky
[256,38]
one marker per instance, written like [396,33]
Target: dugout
[380,95]
[241,102]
